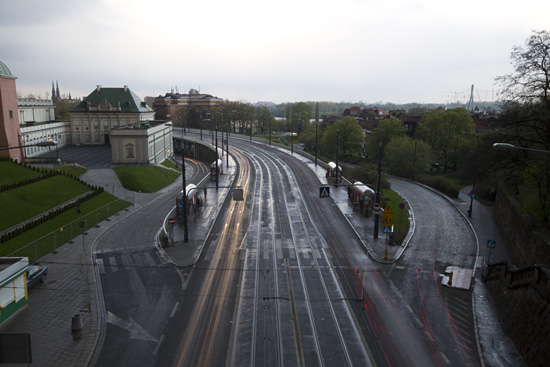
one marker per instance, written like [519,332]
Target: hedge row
[46,173]
[48,216]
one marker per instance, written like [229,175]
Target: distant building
[33,110]
[365,113]
[103,110]
[174,106]
[10,133]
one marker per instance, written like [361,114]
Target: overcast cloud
[253,50]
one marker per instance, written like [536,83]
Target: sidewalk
[199,225]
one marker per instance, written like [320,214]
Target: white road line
[101,266]
[445,358]
[158,345]
[112,262]
[149,258]
[126,261]
[279,249]
[395,290]
[176,306]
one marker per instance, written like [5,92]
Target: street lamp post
[473,192]
[217,168]
[377,195]
[511,146]
[184,197]
[337,149]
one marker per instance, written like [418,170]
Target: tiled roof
[112,100]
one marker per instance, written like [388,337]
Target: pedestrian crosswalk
[113,262]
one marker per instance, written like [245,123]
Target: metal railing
[53,240]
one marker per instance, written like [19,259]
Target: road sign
[384,199]
[491,243]
[376,208]
[324,191]
[387,217]
[171,220]
[387,229]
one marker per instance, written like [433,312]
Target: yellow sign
[387,217]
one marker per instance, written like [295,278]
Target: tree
[300,115]
[403,154]
[387,129]
[266,121]
[525,121]
[446,132]
[350,137]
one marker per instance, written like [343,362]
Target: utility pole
[337,167]
[217,157]
[377,197]
[184,196]
[316,126]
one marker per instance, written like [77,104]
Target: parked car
[36,274]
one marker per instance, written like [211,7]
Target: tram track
[313,299]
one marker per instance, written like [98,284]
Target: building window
[96,137]
[105,124]
[77,122]
[129,150]
[11,114]
[96,125]
[88,137]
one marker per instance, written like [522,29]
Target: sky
[371,51]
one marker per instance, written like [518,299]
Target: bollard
[386,254]
[450,279]
[76,323]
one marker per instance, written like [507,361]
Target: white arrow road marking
[135,329]
[185,277]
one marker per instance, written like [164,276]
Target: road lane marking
[112,261]
[158,345]
[101,266]
[176,306]
[445,358]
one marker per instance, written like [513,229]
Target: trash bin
[76,323]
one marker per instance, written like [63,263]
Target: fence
[53,240]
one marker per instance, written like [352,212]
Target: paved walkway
[69,291]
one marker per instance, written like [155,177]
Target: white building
[32,110]
[142,142]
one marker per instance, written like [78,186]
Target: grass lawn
[145,178]
[13,172]
[76,171]
[400,216]
[169,164]
[59,229]
[27,201]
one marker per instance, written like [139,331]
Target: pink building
[10,135]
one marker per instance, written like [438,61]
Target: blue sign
[387,229]
[491,243]
[324,191]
